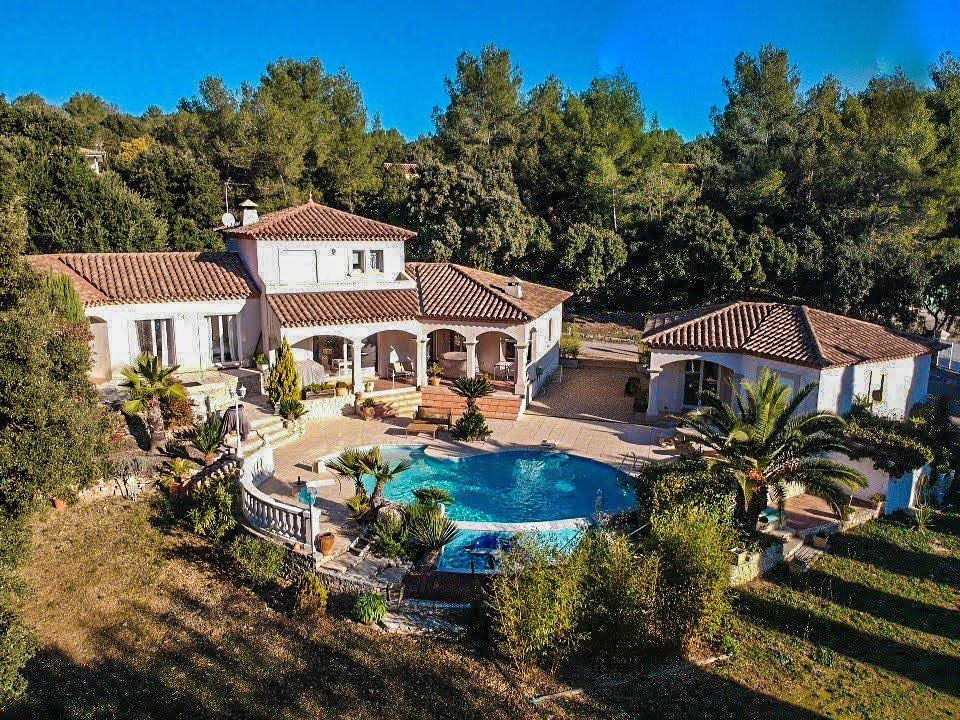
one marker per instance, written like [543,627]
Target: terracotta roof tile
[795,334]
[117,278]
[452,291]
[343,306]
[312,221]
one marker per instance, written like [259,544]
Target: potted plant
[435,371]
[341,388]
[326,542]
[367,409]
[878,499]
[261,362]
[176,476]
[820,540]
[368,384]
[291,410]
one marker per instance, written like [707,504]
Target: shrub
[570,344]
[433,496]
[177,412]
[389,534]
[618,593]
[358,507]
[260,358]
[430,530]
[535,602]
[311,595]
[471,426]
[284,381]
[208,437]
[664,486]
[17,646]
[262,562]
[370,608]
[691,601]
[291,409]
[215,508]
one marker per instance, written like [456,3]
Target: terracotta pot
[368,386]
[341,391]
[326,541]
[435,381]
[59,504]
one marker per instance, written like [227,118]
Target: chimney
[514,289]
[248,213]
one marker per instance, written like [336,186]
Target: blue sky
[138,54]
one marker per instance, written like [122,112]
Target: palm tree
[383,473]
[764,443]
[151,385]
[350,464]
[472,388]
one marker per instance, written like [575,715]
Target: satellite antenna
[228,220]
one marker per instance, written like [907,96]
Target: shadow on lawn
[925,667]
[883,605]
[894,558]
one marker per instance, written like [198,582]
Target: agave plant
[431,530]
[150,386]
[208,436]
[472,388]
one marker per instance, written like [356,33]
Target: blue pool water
[513,486]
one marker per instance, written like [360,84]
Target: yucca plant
[472,388]
[431,530]
[208,436]
[176,473]
[358,507]
[150,386]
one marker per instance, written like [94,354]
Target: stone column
[471,346]
[421,367]
[355,365]
[520,371]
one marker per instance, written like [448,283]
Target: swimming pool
[512,486]
[547,492]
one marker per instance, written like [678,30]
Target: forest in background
[845,200]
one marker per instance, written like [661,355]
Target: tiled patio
[589,393]
[806,513]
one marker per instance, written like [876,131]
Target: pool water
[456,559]
[515,486]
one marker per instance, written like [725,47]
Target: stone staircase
[494,407]
[400,404]
[265,429]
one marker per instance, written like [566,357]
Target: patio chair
[399,372]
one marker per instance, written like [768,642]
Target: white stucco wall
[330,263]
[191,332]
[905,384]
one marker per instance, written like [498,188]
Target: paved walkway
[589,393]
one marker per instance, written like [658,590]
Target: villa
[337,287]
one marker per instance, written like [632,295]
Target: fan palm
[349,464]
[472,388]
[150,386]
[383,473]
[764,443]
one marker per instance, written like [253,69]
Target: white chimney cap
[514,288]
[248,214]
[248,203]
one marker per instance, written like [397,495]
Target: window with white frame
[376,260]
[224,339]
[356,261]
[699,376]
[155,337]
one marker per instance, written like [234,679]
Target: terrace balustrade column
[520,371]
[355,366]
[471,346]
[421,367]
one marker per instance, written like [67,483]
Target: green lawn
[137,623]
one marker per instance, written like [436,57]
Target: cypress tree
[284,376]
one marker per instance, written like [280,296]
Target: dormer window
[376,260]
[356,261]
